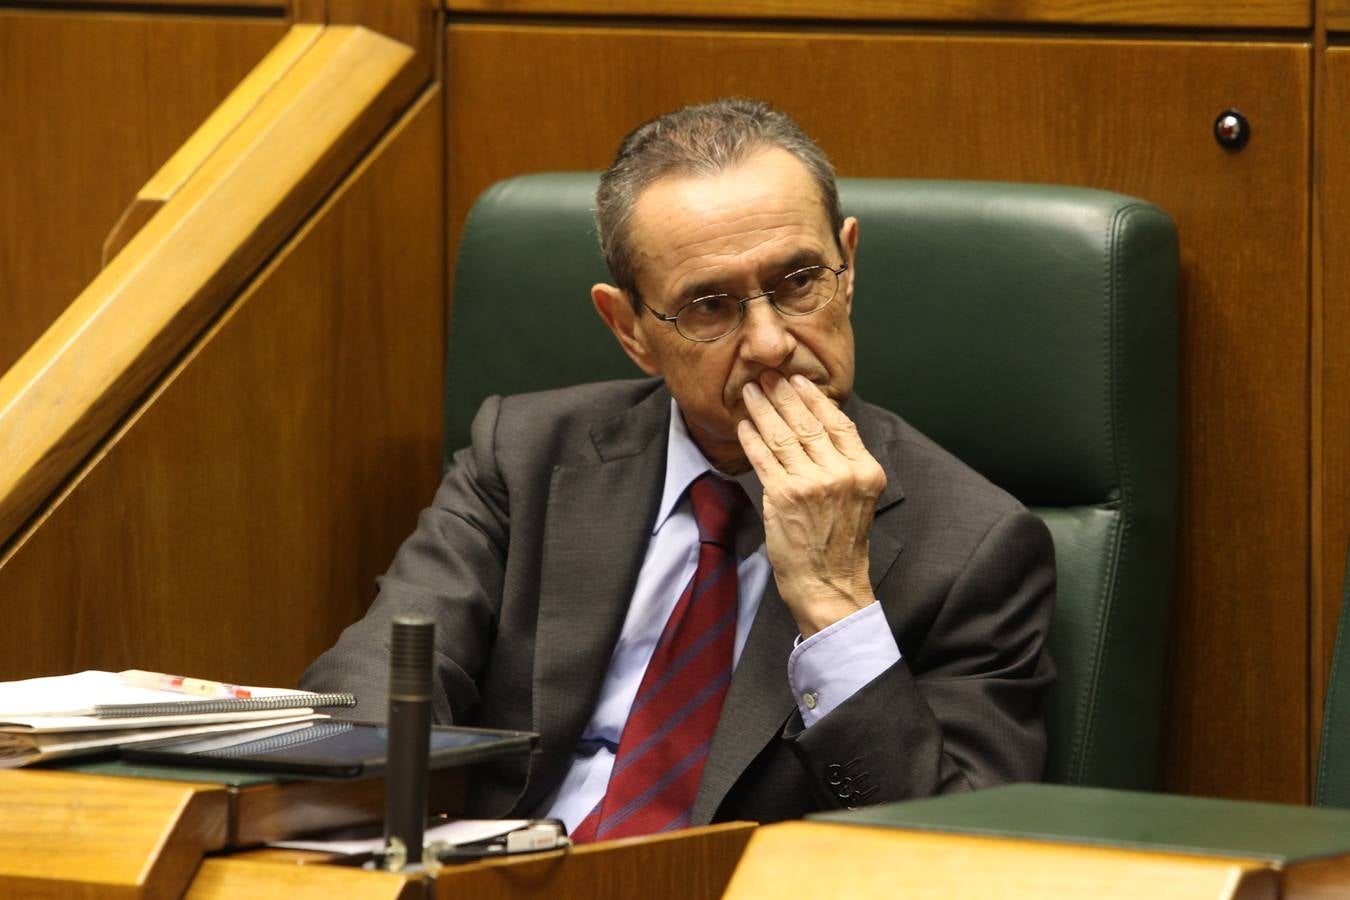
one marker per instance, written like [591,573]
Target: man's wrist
[826,669]
[827,606]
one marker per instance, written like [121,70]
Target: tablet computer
[333,748]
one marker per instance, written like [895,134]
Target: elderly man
[821,607]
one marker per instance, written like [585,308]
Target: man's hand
[820,492]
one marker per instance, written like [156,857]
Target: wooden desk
[228,878]
[1054,840]
[694,864]
[264,808]
[812,859]
[81,835]
[67,834]
[77,834]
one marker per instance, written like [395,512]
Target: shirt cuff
[831,665]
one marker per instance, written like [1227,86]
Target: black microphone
[405,780]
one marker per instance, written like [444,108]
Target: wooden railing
[196,234]
[222,122]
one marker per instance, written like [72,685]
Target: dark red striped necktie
[670,726]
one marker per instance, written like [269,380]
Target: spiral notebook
[28,748]
[89,712]
[97,701]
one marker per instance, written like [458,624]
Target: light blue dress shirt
[824,670]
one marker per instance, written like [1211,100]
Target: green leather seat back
[1029,329]
[1333,761]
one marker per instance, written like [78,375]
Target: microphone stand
[405,786]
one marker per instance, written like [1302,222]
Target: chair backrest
[1029,329]
[1333,758]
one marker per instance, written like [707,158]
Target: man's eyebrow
[798,260]
[784,265]
[699,289]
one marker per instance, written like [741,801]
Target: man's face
[736,233]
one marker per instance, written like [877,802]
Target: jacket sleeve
[450,571]
[964,709]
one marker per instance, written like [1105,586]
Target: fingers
[778,436]
[799,423]
[761,458]
[820,492]
[842,432]
[806,426]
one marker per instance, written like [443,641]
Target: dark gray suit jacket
[527,558]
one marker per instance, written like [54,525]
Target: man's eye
[798,282]
[709,307]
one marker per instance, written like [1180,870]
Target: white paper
[66,703]
[21,750]
[73,694]
[459,831]
[52,724]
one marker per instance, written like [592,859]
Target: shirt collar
[684,463]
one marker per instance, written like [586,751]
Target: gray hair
[706,139]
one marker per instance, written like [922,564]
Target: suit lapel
[884,543]
[759,701]
[599,518]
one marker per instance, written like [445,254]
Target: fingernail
[800,382]
[752,390]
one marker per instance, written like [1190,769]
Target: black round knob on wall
[1232,130]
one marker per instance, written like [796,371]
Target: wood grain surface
[222,122]
[810,859]
[1321,879]
[114,340]
[235,523]
[1131,116]
[411,22]
[1332,401]
[1337,13]
[226,118]
[315,11]
[67,835]
[93,104]
[253,7]
[276,812]
[255,879]
[692,864]
[1206,13]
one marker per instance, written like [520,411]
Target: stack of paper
[42,718]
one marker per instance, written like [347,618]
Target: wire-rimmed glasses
[798,293]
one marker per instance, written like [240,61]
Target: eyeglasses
[798,293]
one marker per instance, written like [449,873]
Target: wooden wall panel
[1211,13]
[179,272]
[416,23]
[1332,402]
[279,6]
[412,22]
[236,524]
[1337,13]
[93,104]
[1132,116]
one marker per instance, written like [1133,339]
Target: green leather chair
[1031,330]
[1333,759]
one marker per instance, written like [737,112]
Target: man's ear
[614,307]
[848,241]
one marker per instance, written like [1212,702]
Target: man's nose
[765,338]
